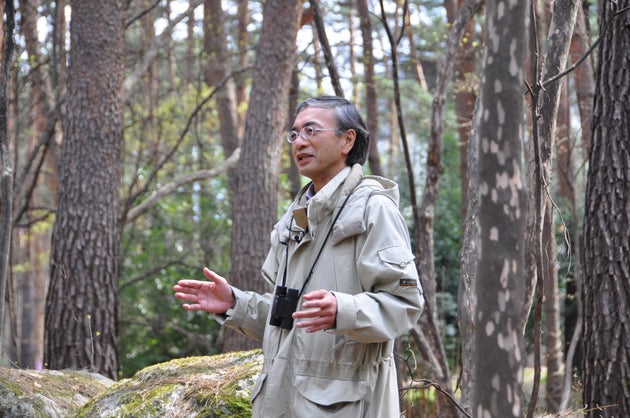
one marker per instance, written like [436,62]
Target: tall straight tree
[606,288]
[370,86]
[540,246]
[32,238]
[498,340]
[82,302]
[6,165]
[464,68]
[255,199]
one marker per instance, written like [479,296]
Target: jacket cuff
[235,316]
[346,312]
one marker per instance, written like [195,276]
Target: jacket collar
[324,204]
[331,196]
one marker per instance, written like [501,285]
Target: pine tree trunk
[606,289]
[258,168]
[82,302]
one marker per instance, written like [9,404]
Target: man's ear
[349,136]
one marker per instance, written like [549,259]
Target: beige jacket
[367,263]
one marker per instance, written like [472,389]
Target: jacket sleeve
[391,301]
[249,314]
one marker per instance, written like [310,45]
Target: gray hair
[348,117]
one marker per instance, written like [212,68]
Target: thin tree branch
[47,214]
[143,207]
[425,383]
[588,51]
[24,189]
[545,102]
[149,273]
[152,52]
[130,199]
[538,175]
[405,12]
[141,13]
[328,56]
[424,347]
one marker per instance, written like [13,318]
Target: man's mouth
[303,157]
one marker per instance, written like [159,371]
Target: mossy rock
[47,393]
[209,386]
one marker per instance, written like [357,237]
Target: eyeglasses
[306,132]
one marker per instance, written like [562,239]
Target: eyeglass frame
[304,135]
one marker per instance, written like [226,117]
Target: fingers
[189,285]
[322,299]
[193,290]
[192,287]
[212,295]
[320,306]
[190,294]
[313,326]
[211,275]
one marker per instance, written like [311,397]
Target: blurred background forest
[187,106]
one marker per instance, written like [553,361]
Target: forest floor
[575,407]
[422,402]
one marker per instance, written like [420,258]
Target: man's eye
[309,130]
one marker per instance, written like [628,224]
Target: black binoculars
[284,304]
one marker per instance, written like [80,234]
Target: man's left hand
[319,308]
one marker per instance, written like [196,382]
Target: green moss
[9,387]
[208,386]
[46,393]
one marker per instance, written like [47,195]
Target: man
[344,277]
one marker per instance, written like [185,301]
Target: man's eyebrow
[307,123]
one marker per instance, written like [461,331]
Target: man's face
[322,156]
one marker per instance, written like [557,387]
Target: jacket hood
[349,184]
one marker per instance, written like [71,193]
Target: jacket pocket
[397,255]
[258,386]
[330,397]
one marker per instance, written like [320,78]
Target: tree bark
[370,87]
[583,77]
[465,69]
[551,307]
[82,302]
[217,73]
[466,294]
[258,168]
[584,82]
[6,167]
[243,49]
[499,289]
[32,240]
[546,103]
[546,98]
[318,20]
[606,290]
[425,213]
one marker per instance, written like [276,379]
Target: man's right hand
[214,296]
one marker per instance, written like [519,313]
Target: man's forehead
[312,115]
